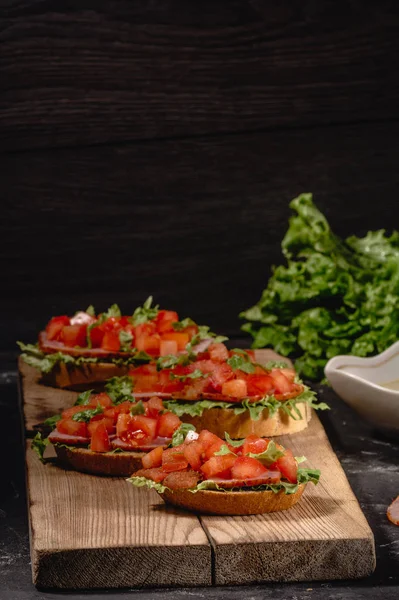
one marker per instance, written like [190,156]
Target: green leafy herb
[52,421]
[119,389]
[196,374]
[235,443]
[39,445]
[171,360]
[125,338]
[113,311]
[90,311]
[84,398]
[241,362]
[137,409]
[180,325]
[180,434]
[85,415]
[144,482]
[144,313]
[270,455]
[332,297]
[223,451]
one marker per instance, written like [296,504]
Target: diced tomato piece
[149,343]
[71,427]
[153,407]
[69,412]
[147,328]
[221,372]
[149,369]
[153,458]
[219,466]
[181,480]
[236,388]
[167,424]
[218,352]
[254,445]
[156,474]
[145,383]
[207,438]
[281,383]
[145,424]
[109,424]
[111,341]
[96,336]
[191,331]
[122,424]
[179,337]
[74,335]
[192,453]
[55,326]
[290,374]
[111,413]
[210,451]
[167,347]
[246,467]
[101,399]
[259,384]
[165,316]
[100,439]
[173,460]
[288,466]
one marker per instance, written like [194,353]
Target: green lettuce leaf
[51,422]
[270,455]
[39,445]
[119,389]
[181,433]
[84,398]
[331,297]
[86,414]
[144,313]
[138,408]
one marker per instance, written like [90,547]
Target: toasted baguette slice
[119,464]
[223,420]
[232,503]
[83,376]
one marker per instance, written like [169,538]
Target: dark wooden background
[152,147]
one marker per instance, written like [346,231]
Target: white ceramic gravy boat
[359,381]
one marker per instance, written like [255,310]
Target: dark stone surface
[370,460]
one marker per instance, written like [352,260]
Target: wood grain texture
[325,536]
[94,532]
[196,223]
[76,73]
[107,523]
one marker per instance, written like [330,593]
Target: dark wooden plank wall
[153,146]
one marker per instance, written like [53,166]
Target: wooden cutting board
[93,532]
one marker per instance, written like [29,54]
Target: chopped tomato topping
[100,439]
[288,466]
[111,341]
[246,467]
[180,338]
[167,347]
[74,335]
[254,445]
[55,326]
[235,387]
[173,460]
[71,427]
[101,399]
[219,466]
[153,458]
[218,352]
[393,512]
[167,424]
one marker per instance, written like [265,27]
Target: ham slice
[393,512]
[159,441]
[270,477]
[215,397]
[56,437]
[52,346]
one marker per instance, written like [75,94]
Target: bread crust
[80,377]
[211,502]
[223,420]
[118,464]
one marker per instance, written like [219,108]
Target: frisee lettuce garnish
[171,360]
[137,409]
[180,325]
[125,338]
[270,455]
[332,297]
[39,445]
[196,409]
[304,476]
[90,310]
[205,333]
[223,450]
[144,313]
[119,389]
[242,362]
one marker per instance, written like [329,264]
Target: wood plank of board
[325,536]
[98,532]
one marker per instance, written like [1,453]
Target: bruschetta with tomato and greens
[228,391]
[108,433]
[90,348]
[210,475]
